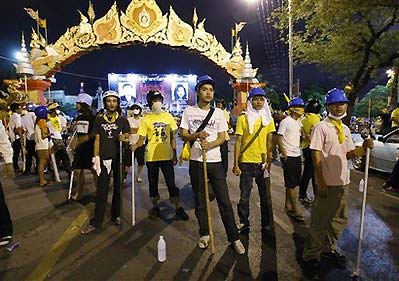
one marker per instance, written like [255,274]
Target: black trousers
[102,194]
[308,173]
[61,155]
[30,153]
[16,147]
[168,172]
[217,179]
[5,219]
[224,151]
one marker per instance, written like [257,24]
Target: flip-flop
[88,229]
[5,240]
[203,242]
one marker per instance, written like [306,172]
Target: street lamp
[290,50]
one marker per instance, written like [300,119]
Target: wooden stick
[208,204]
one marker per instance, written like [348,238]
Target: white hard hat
[84,98]
[110,93]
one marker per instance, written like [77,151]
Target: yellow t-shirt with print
[157,128]
[395,114]
[253,154]
[308,122]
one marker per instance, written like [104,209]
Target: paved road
[51,247]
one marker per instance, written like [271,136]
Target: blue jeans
[217,178]
[249,171]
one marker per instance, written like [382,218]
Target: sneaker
[238,247]
[310,269]
[153,213]
[334,256]
[5,240]
[243,228]
[389,189]
[296,216]
[88,229]
[139,180]
[203,243]
[181,214]
[117,221]
[305,200]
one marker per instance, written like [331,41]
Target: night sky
[221,16]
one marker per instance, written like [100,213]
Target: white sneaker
[203,242]
[139,180]
[238,247]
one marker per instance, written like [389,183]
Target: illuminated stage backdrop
[178,90]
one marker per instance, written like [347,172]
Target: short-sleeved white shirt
[134,123]
[334,162]
[290,130]
[15,122]
[28,124]
[192,118]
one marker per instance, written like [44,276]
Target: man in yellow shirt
[159,128]
[310,119]
[252,157]
[395,117]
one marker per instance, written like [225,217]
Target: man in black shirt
[83,142]
[107,130]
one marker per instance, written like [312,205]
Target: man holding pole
[332,147]
[110,129]
[207,143]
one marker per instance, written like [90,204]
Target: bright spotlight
[18,55]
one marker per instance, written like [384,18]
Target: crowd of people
[103,143]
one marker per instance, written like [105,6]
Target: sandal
[5,240]
[203,243]
[88,229]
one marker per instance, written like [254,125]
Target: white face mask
[58,112]
[336,117]
[136,111]
[156,107]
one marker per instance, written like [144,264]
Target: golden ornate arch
[141,23]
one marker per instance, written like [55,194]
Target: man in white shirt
[16,133]
[289,136]
[134,123]
[28,125]
[6,228]
[209,139]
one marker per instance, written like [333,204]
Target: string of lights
[63,72]
[276,51]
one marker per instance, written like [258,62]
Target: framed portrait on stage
[180,92]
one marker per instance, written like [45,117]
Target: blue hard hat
[257,91]
[41,111]
[206,79]
[335,96]
[296,102]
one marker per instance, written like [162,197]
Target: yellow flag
[43,23]
[240,26]
[33,14]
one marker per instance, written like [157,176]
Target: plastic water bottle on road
[161,249]
[361,185]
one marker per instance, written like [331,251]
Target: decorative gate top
[141,23]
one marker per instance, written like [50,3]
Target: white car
[383,156]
